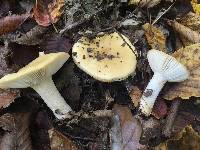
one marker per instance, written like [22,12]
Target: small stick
[171,117]
[97,113]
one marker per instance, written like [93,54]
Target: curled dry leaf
[57,44]
[155,37]
[46,12]
[135,95]
[60,142]
[11,23]
[189,57]
[147,3]
[191,20]
[17,134]
[185,32]
[125,135]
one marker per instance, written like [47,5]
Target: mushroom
[107,58]
[38,75]
[165,68]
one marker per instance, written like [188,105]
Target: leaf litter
[53,26]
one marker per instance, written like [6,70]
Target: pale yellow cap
[107,58]
[42,67]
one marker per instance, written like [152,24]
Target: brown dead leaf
[196,6]
[191,20]
[189,140]
[11,23]
[126,132]
[46,12]
[147,3]
[16,132]
[60,142]
[32,37]
[8,96]
[185,32]
[155,37]
[57,43]
[159,108]
[189,57]
[135,95]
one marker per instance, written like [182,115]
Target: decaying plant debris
[106,115]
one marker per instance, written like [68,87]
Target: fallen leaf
[17,134]
[126,134]
[155,37]
[159,108]
[196,6]
[32,37]
[191,20]
[60,142]
[152,132]
[185,32]
[57,43]
[189,140]
[46,12]
[8,96]
[40,126]
[135,95]
[189,57]
[147,3]
[21,55]
[188,114]
[11,23]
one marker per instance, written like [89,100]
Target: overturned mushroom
[165,68]
[107,58]
[38,75]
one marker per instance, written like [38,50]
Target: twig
[97,113]
[163,13]
[171,117]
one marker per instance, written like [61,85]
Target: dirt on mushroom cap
[107,58]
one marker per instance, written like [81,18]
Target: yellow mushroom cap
[42,67]
[106,58]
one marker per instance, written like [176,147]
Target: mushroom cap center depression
[106,57]
[40,68]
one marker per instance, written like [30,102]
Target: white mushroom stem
[49,93]
[151,92]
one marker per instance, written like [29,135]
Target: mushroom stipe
[38,75]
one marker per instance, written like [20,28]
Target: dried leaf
[125,135]
[152,132]
[196,6]
[8,96]
[21,55]
[17,134]
[40,126]
[159,109]
[46,12]
[189,140]
[155,37]
[11,23]
[57,44]
[186,32]
[189,57]
[32,37]
[135,95]
[60,142]
[191,20]
[148,3]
